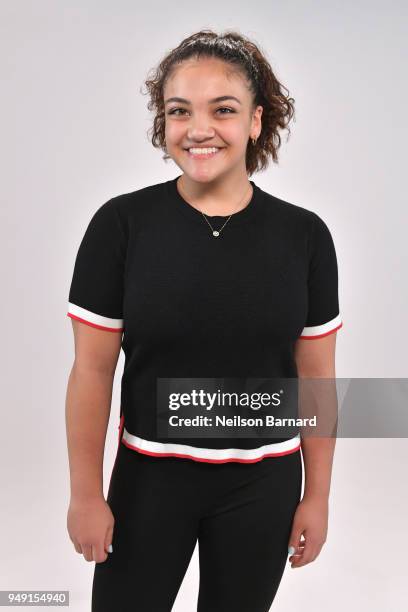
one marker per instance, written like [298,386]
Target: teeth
[202,150]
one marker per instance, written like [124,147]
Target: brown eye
[227,109]
[174,111]
[178,111]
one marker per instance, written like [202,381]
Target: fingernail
[291,550]
[110,549]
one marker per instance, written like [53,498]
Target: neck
[216,198]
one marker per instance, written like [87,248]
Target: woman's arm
[314,358]
[88,403]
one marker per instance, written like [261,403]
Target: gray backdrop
[74,129]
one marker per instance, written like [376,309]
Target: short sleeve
[96,291]
[323,316]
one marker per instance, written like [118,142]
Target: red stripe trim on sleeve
[321,335]
[111,329]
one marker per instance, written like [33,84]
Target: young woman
[205,275]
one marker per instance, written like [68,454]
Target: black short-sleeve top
[188,304]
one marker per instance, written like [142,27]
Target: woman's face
[196,119]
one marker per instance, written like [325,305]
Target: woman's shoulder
[132,204]
[290,212]
[143,196]
[286,207]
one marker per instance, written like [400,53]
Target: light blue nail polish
[110,549]
[291,550]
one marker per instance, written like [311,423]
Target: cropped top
[188,304]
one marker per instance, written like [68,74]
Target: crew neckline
[194,214]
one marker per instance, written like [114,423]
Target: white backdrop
[74,134]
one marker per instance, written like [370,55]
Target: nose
[199,131]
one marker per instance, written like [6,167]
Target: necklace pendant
[215,233]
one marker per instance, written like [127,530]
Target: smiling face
[209,117]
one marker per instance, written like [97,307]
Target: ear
[256,119]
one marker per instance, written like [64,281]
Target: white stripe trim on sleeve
[93,319]
[317,331]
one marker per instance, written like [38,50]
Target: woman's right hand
[90,526]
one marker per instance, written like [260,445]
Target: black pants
[241,514]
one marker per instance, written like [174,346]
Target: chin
[203,175]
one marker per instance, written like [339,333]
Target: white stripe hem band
[213,455]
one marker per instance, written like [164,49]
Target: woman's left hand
[311,520]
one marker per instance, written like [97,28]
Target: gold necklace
[215,232]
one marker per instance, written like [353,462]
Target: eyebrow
[213,101]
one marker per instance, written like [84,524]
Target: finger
[87,552]
[296,556]
[294,540]
[99,554]
[296,550]
[108,539]
[309,554]
[314,553]
[300,547]
[77,545]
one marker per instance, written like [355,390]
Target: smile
[203,152]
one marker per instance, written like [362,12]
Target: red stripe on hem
[121,426]
[320,335]
[111,329]
[182,456]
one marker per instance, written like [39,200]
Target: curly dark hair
[244,55]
